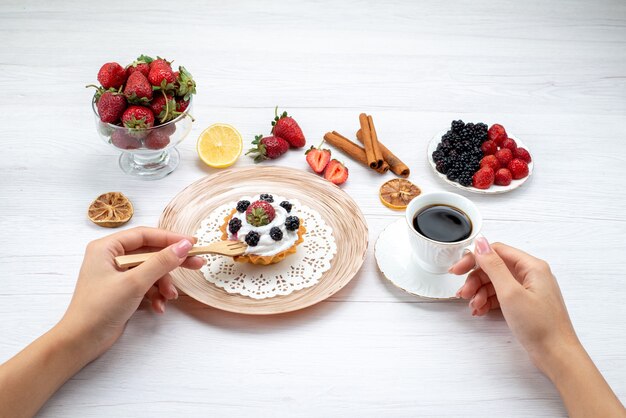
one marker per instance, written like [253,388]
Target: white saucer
[494,189]
[396,262]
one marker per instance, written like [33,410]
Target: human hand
[105,296]
[526,291]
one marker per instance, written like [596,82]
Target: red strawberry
[503,177]
[138,90]
[287,128]
[518,168]
[270,147]
[163,106]
[489,148]
[141,67]
[159,61]
[123,140]
[168,128]
[317,158]
[111,106]
[157,139]
[505,156]
[260,213]
[509,143]
[181,104]
[336,172]
[522,154]
[483,178]
[497,134]
[490,161]
[162,75]
[112,75]
[138,117]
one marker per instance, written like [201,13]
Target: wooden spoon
[229,248]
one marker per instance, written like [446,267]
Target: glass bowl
[147,153]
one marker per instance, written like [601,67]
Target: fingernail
[451,268]
[482,245]
[173,291]
[182,247]
[474,312]
[458,292]
[160,305]
[471,302]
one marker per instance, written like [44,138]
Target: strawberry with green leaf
[138,117]
[138,89]
[186,84]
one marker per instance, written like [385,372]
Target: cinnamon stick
[370,141]
[354,151]
[395,164]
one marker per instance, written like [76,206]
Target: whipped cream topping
[266,246]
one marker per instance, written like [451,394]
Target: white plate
[396,262]
[494,189]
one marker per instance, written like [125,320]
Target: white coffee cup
[436,256]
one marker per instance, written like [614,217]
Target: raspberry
[276,233]
[292,223]
[522,154]
[242,205]
[286,205]
[267,197]
[483,178]
[234,225]
[490,161]
[509,143]
[497,134]
[489,148]
[519,168]
[505,156]
[503,177]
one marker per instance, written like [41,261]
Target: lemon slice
[110,210]
[219,145]
[397,193]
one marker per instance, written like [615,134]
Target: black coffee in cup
[443,223]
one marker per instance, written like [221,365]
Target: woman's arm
[103,301]
[526,291]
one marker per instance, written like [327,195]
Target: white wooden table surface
[554,73]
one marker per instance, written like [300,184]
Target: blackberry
[446,150]
[437,156]
[470,126]
[441,167]
[276,233]
[252,238]
[292,223]
[234,225]
[465,134]
[242,205]
[465,147]
[454,154]
[286,205]
[267,197]
[465,179]
[452,175]
[457,125]
[447,142]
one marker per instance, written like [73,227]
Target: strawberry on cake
[268,225]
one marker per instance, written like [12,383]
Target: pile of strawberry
[146,93]
[503,160]
[285,133]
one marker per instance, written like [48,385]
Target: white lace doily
[297,271]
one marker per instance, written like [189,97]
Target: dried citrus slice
[397,193]
[219,145]
[110,210]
